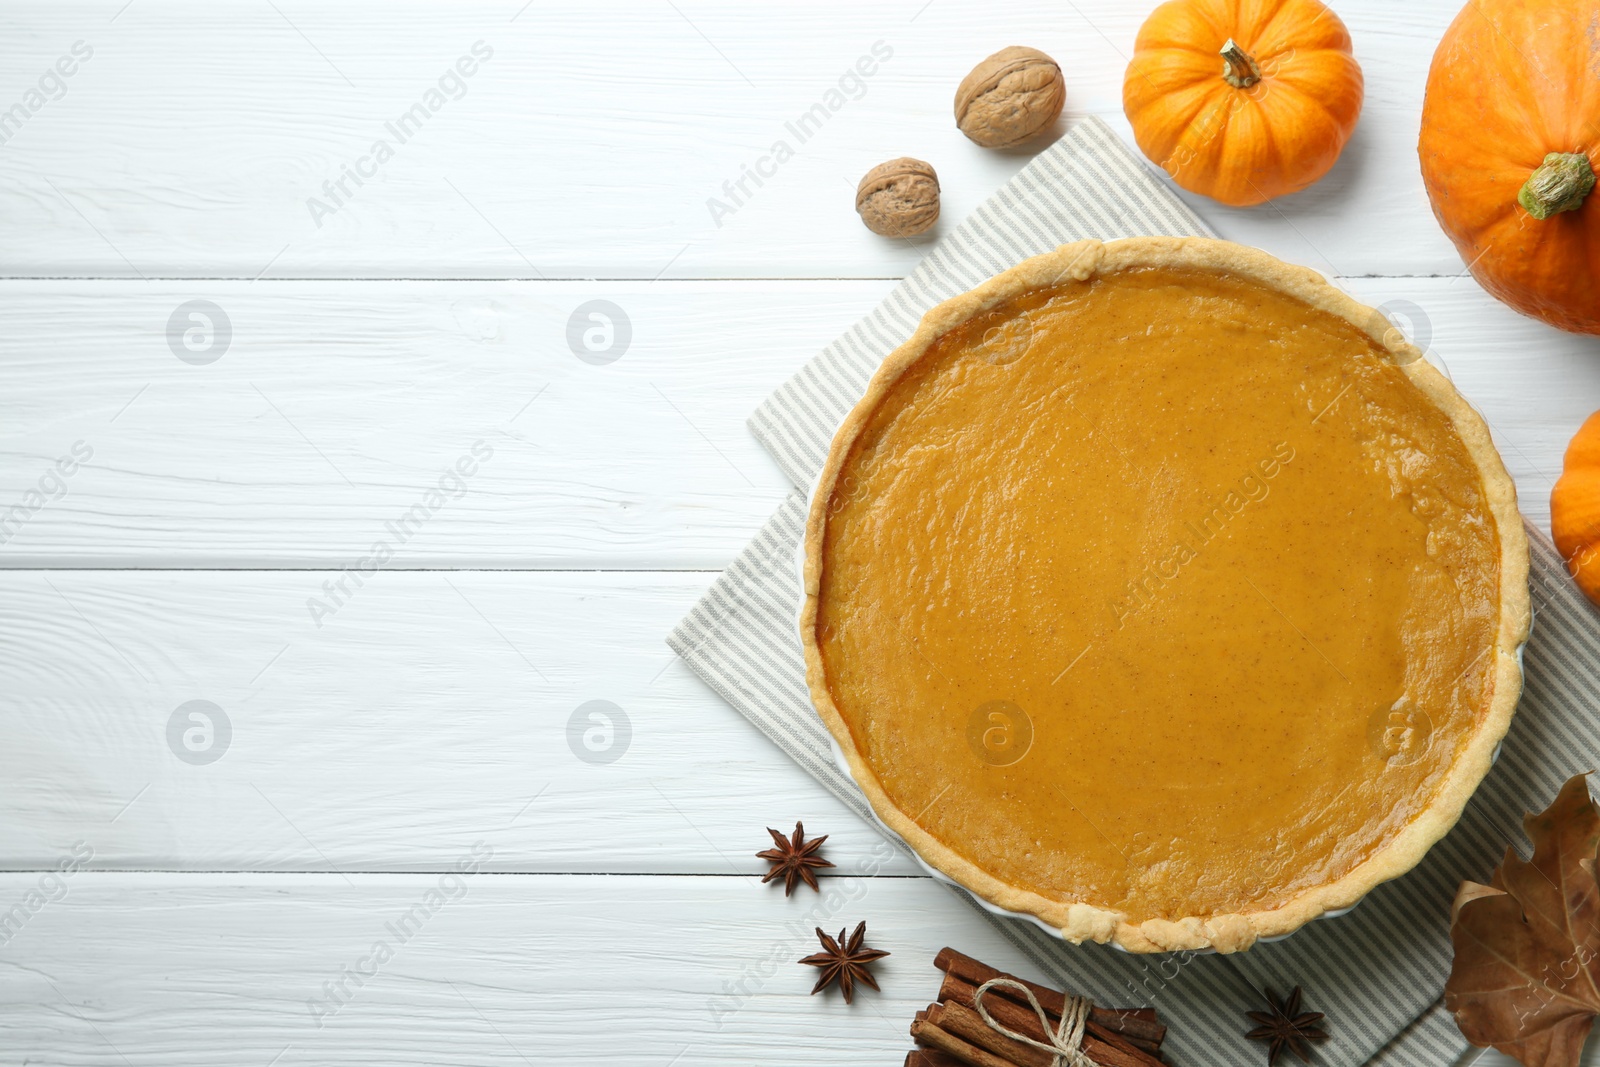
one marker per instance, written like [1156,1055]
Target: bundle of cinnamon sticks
[951,1033]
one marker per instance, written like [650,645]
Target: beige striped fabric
[1378,972]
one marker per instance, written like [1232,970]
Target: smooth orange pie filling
[1162,591]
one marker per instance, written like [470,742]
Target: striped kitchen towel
[1378,972]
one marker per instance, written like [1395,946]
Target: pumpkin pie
[1159,590]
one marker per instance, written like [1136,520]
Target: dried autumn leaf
[1526,975]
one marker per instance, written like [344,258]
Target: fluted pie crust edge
[1079,922]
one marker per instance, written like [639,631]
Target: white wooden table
[237,465]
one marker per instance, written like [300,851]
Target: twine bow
[1066,1043]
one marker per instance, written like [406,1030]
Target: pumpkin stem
[1559,184]
[1238,69]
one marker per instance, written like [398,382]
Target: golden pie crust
[1038,438]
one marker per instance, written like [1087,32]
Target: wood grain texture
[159,970]
[430,709]
[592,140]
[168,971]
[337,406]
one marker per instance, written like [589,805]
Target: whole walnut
[1010,97]
[899,198]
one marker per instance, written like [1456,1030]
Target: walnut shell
[899,198]
[1010,97]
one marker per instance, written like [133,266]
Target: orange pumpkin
[1575,508]
[1243,100]
[1510,125]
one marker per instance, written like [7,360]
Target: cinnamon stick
[968,1025]
[1024,1020]
[930,1057]
[1130,1024]
[1017,1014]
[925,1033]
[1113,1056]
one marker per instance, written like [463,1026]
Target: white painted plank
[337,406]
[428,710]
[230,971]
[592,140]
[168,971]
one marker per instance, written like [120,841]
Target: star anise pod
[845,960]
[794,859]
[1286,1027]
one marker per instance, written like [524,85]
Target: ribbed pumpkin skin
[1513,80]
[1575,508]
[1243,146]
